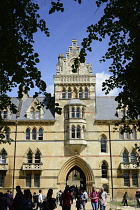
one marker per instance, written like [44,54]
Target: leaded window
[28,134]
[40,134]
[133,157]
[78,132]
[78,112]
[126,179]
[125,157]
[29,157]
[135,179]
[69,93]
[103,144]
[34,133]
[36,180]
[73,132]
[80,93]
[104,170]
[37,157]
[28,180]
[73,112]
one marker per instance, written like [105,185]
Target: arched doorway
[78,164]
[76,177]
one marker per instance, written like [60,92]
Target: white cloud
[50,89]
[100,78]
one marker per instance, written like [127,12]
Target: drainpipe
[110,160]
[14,166]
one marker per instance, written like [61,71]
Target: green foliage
[121,23]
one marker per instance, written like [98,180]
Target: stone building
[49,150]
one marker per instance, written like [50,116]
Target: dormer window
[38,114]
[32,114]
[122,113]
[4,114]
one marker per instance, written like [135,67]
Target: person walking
[65,200]
[50,202]
[40,200]
[18,202]
[83,199]
[125,197]
[102,198]
[94,196]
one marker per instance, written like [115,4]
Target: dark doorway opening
[76,177]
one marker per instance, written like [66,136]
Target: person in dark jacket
[18,200]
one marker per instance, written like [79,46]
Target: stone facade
[48,148]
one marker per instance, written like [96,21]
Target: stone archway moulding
[83,165]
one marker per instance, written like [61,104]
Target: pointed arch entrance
[82,166]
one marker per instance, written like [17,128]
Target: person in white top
[40,200]
[102,198]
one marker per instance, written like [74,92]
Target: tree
[19,21]
[121,23]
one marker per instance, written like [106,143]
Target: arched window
[86,93]
[80,93]
[3,155]
[29,157]
[125,157]
[78,112]
[104,170]
[134,135]
[133,157]
[73,112]
[37,157]
[7,135]
[103,144]
[73,132]
[34,132]
[121,135]
[40,134]
[63,93]
[78,132]
[27,134]
[32,113]
[69,93]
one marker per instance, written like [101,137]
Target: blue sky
[63,27]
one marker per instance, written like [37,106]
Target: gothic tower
[75,93]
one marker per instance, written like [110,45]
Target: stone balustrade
[32,166]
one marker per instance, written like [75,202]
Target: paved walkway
[88,207]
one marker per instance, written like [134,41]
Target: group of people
[98,199]
[26,201]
